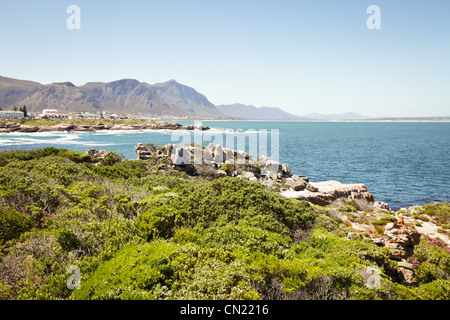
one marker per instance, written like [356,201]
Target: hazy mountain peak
[250,112]
[93,83]
[69,84]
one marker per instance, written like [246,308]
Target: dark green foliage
[112,158]
[227,201]
[125,170]
[13,224]
[15,155]
[77,157]
[67,239]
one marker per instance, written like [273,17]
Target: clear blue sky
[302,56]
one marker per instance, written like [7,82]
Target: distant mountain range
[131,96]
[249,112]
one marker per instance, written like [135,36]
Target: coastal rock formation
[197,126]
[325,192]
[97,154]
[7,127]
[28,128]
[58,127]
[214,161]
[401,239]
[381,205]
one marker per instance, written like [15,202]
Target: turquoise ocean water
[401,163]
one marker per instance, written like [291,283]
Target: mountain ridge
[122,96]
[128,95]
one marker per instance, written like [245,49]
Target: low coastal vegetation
[139,230]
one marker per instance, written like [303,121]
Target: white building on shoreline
[11,115]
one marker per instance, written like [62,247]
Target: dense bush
[439,211]
[140,230]
[13,224]
[226,201]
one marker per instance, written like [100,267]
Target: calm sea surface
[401,163]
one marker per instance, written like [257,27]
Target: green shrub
[388,218]
[353,205]
[77,157]
[224,167]
[112,158]
[13,224]
[25,155]
[440,211]
[162,235]
[436,290]
[434,261]
[67,239]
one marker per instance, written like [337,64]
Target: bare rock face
[28,128]
[401,239]
[195,127]
[7,127]
[381,205]
[325,192]
[143,152]
[62,127]
[97,154]
[297,184]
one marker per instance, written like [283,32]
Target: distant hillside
[249,112]
[12,90]
[131,96]
[122,96]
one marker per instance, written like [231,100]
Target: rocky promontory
[215,161]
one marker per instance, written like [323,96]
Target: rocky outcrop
[381,205]
[28,128]
[7,127]
[297,183]
[208,160]
[325,192]
[196,127]
[97,154]
[58,127]
[401,239]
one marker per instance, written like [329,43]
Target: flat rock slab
[329,191]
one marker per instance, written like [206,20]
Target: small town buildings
[49,112]
[11,115]
[53,114]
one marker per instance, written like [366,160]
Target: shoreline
[91,126]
